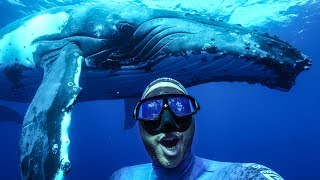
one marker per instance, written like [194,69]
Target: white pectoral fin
[129,105]
[44,143]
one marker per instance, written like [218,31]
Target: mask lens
[150,109]
[182,105]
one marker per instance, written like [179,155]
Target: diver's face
[169,147]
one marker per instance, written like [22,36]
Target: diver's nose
[168,123]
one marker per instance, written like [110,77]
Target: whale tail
[9,115]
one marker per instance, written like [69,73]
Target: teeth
[169,138]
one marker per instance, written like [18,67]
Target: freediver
[167,124]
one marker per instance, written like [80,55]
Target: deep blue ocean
[238,122]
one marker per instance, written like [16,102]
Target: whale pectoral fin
[44,138]
[129,105]
[9,114]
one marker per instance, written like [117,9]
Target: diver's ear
[134,114]
[197,106]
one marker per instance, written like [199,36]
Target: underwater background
[238,122]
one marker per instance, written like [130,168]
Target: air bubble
[55,148]
[70,83]
[206,46]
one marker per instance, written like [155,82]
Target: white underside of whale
[16,46]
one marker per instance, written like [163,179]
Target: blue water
[237,122]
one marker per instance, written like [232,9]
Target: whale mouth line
[70,38]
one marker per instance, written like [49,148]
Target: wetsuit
[194,167]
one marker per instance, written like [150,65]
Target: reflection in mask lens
[181,106]
[150,109]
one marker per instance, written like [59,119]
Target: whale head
[181,44]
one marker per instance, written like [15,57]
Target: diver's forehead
[163,90]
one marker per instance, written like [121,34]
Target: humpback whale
[124,44]
[54,57]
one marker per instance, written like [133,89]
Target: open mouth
[170,145]
[169,142]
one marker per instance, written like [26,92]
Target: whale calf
[113,52]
